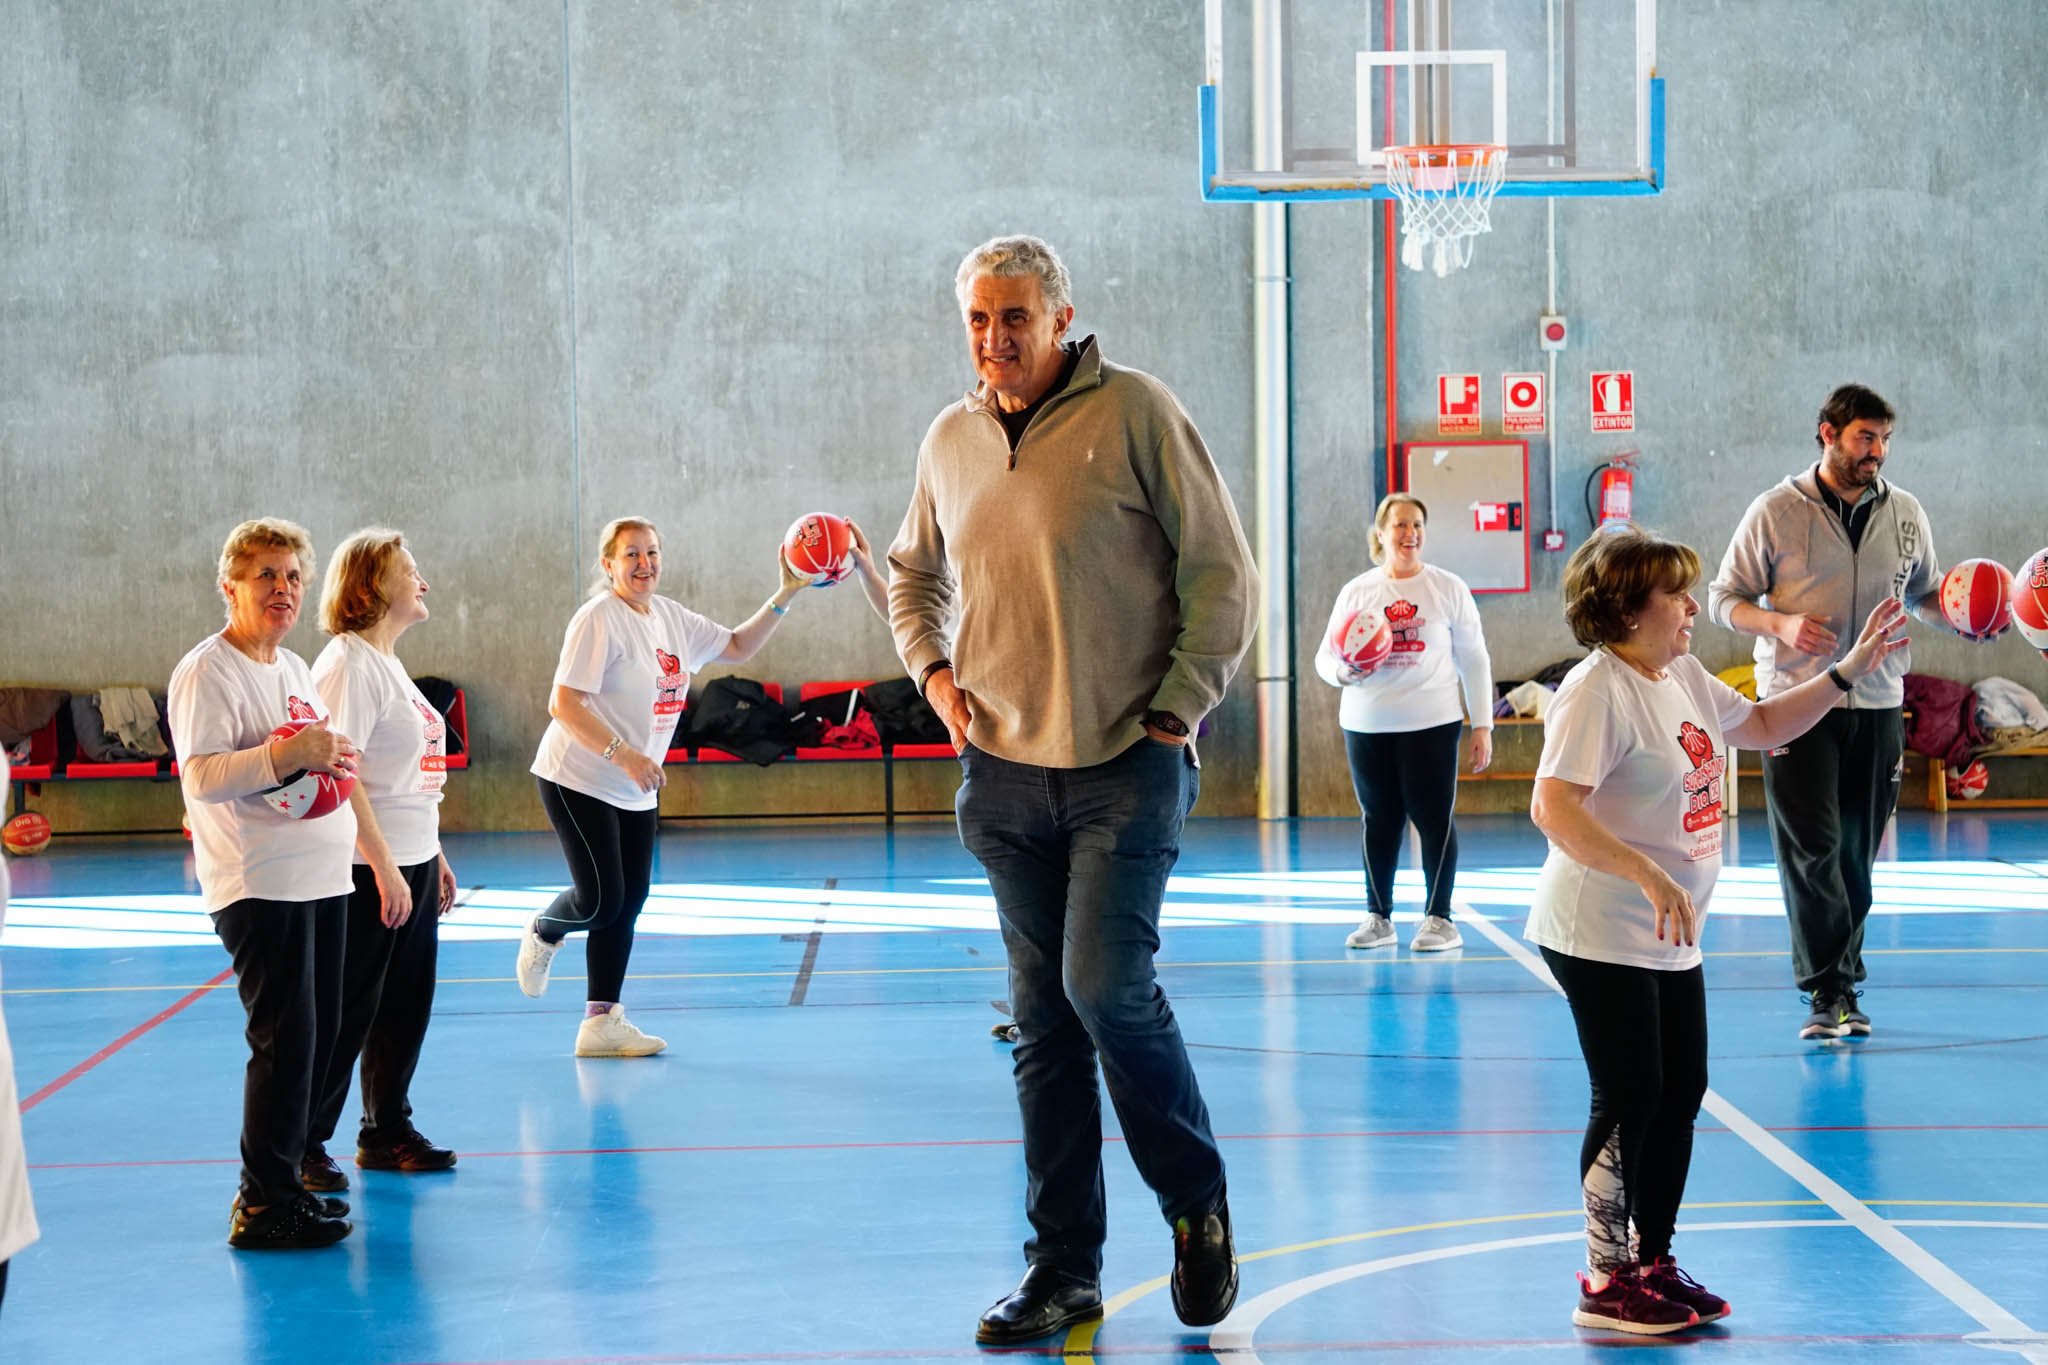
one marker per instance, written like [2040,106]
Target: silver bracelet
[612,748]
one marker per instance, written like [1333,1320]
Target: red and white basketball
[306,795]
[1363,639]
[26,835]
[2030,601]
[1969,784]
[1976,597]
[819,546]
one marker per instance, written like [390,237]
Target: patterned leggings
[1644,1035]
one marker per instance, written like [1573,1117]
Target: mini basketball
[2030,601]
[1969,784]
[26,835]
[306,795]
[1363,639]
[819,546]
[1976,597]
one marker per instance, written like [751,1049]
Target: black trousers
[611,861]
[1644,1036]
[387,998]
[1403,776]
[288,965]
[1829,794]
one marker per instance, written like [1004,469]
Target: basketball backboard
[1300,97]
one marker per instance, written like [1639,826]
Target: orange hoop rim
[1465,153]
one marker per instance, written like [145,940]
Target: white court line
[1234,1335]
[1995,1320]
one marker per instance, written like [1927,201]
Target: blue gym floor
[824,1165]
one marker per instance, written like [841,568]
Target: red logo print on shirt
[1405,619]
[300,710]
[434,762]
[1702,785]
[671,685]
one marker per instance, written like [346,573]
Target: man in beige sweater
[1073,592]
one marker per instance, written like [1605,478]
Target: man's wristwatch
[1168,722]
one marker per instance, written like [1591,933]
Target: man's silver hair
[1009,257]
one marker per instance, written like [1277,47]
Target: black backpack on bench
[738,716]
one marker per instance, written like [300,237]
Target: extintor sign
[1614,400]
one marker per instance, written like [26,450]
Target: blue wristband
[779,611]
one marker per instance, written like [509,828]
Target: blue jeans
[1078,860]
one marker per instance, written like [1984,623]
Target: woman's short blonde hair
[353,596]
[608,541]
[264,533]
[1610,577]
[1374,541]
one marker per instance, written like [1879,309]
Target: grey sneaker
[1436,935]
[1376,932]
[536,955]
[1826,1019]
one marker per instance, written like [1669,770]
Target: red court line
[130,1036]
[712,1149]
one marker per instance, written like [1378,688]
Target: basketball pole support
[1272,428]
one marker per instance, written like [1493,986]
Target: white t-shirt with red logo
[404,742]
[223,701]
[1653,753]
[1439,652]
[637,670]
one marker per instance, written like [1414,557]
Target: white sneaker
[1376,932]
[536,955]
[1435,935]
[611,1034]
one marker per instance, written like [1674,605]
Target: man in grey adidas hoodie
[1809,561]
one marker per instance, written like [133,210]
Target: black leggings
[611,861]
[387,999]
[1400,776]
[1644,1034]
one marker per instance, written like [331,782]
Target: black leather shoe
[1204,1268]
[1040,1305]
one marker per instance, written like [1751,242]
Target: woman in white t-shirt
[277,887]
[1629,792]
[1402,718]
[402,883]
[619,690]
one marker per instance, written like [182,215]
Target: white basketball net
[1445,193]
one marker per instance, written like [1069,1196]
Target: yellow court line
[1080,1340]
[1436,963]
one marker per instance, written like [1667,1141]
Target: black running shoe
[319,1173]
[296,1224]
[1826,1019]
[1855,1023]
[1628,1305]
[1662,1276]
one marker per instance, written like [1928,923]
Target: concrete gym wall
[494,272]
[1853,189]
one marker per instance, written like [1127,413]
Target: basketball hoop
[1445,192]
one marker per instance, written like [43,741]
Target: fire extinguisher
[1617,481]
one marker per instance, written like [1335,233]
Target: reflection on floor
[824,1166]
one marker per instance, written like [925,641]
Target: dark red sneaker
[411,1153]
[1662,1276]
[1626,1305]
[318,1172]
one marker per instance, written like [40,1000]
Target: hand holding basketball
[314,748]
[863,557]
[791,582]
[1805,634]
[1876,643]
